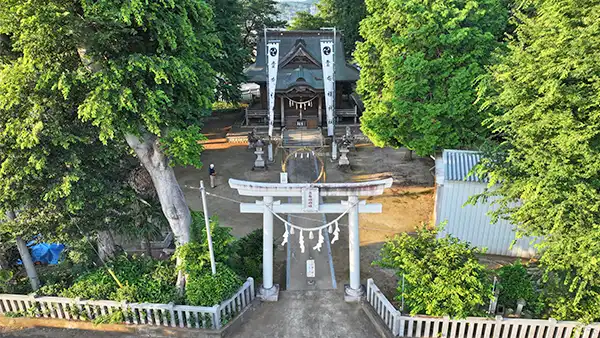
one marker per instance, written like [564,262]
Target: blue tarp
[45,253]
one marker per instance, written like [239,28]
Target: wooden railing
[200,317]
[473,327]
[352,112]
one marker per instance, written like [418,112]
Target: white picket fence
[386,311]
[473,327]
[201,317]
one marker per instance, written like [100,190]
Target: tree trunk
[408,156]
[26,257]
[148,246]
[169,193]
[106,245]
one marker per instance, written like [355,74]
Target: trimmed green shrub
[208,290]
[515,283]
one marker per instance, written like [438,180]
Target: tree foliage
[544,97]
[53,168]
[307,21]
[258,14]
[442,275]
[233,55]
[418,65]
[346,16]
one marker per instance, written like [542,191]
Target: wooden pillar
[320,111]
[263,96]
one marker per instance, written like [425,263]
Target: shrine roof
[308,44]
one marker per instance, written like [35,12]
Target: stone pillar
[354,291]
[268,292]
[282,105]
[334,149]
[270,151]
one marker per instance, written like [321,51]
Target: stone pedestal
[268,295]
[344,156]
[353,295]
[260,161]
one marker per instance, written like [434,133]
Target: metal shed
[471,223]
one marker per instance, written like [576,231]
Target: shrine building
[305,83]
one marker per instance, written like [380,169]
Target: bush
[195,255]
[143,280]
[208,290]
[442,275]
[515,283]
[222,106]
[247,259]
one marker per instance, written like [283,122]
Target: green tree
[54,170]
[258,14]
[138,71]
[442,275]
[544,95]
[233,55]
[307,21]
[346,16]
[418,65]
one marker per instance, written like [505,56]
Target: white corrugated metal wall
[471,222]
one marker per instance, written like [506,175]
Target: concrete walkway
[309,314]
[303,169]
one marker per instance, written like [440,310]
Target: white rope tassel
[320,242]
[311,236]
[291,228]
[285,236]
[301,241]
[336,233]
[330,228]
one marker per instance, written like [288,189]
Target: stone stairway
[310,314]
[300,138]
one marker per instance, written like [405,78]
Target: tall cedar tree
[418,65]
[544,93]
[233,55]
[346,16]
[258,14]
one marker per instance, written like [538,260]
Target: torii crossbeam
[310,193]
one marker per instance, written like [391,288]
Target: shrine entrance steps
[302,138]
[299,314]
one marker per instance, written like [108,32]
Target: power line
[293,215]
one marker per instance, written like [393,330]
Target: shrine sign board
[310,199]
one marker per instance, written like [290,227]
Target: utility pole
[213,265]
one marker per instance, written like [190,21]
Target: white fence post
[397,328]
[445,326]
[216,317]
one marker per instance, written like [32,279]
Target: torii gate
[310,193]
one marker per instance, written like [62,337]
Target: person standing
[212,173]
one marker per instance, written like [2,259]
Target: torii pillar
[310,193]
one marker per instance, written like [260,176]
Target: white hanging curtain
[327,60]
[273,66]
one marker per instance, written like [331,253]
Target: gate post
[267,291]
[354,291]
